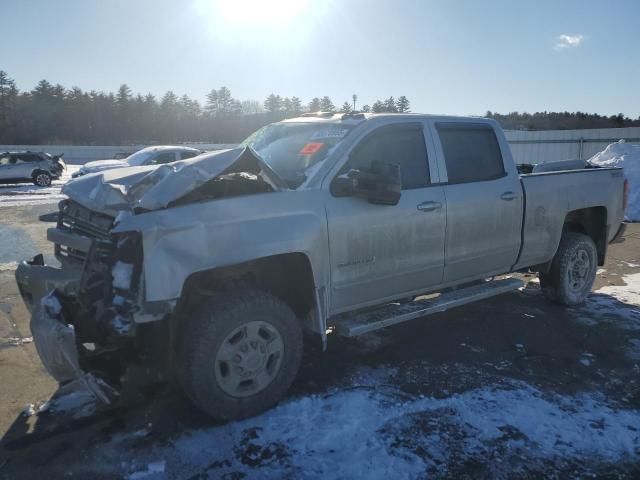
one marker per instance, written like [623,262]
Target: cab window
[471,152]
[402,145]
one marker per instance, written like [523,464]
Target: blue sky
[455,57]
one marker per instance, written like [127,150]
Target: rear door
[24,164]
[484,201]
[381,252]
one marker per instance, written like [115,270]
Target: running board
[350,325]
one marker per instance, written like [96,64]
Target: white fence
[553,145]
[527,147]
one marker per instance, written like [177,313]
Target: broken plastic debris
[121,274]
[51,304]
[120,324]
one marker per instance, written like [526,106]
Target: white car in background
[155,155]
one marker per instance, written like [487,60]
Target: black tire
[42,178]
[559,284]
[208,330]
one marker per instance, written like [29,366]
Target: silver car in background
[155,155]
[37,167]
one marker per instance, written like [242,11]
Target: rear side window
[471,152]
[401,145]
[188,154]
[164,157]
[25,158]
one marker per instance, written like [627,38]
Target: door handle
[508,196]
[429,206]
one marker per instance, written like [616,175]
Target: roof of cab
[357,117]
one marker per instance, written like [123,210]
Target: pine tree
[366,109]
[211,107]
[402,104]
[273,103]
[390,105]
[378,107]
[296,106]
[346,108]
[314,105]
[8,97]
[225,101]
[326,105]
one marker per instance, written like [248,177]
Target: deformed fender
[180,241]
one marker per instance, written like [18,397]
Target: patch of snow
[19,340]
[614,304]
[8,267]
[371,434]
[627,156]
[152,469]
[122,273]
[29,410]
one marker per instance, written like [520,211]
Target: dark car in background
[37,167]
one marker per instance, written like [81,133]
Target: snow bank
[627,156]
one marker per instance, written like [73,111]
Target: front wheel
[240,354]
[573,270]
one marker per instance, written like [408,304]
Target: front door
[380,252]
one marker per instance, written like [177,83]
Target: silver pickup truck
[209,270]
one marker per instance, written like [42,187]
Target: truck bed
[550,195]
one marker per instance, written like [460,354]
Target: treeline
[561,120]
[52,114]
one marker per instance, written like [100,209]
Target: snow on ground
[367,432]
[617,305]
[627,156]
[19,194]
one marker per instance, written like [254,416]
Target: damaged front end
[87,316]
[90,317]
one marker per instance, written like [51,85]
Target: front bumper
[55,339]
[35,280]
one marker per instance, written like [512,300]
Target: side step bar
[350,325]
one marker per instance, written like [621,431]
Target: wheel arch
[592,222]
[288,277]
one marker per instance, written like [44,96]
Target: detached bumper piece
[55,341]
[619,236]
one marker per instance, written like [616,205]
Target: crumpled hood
[149,188]
[98,165]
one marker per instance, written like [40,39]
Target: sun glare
[267,12]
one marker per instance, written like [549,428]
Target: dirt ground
[435,370]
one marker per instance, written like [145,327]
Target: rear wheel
[240,354]
[573,270]
[42,179]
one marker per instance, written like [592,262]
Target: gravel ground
[511,387]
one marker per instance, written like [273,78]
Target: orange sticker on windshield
[310,148]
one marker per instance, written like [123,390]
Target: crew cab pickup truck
[209,270]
